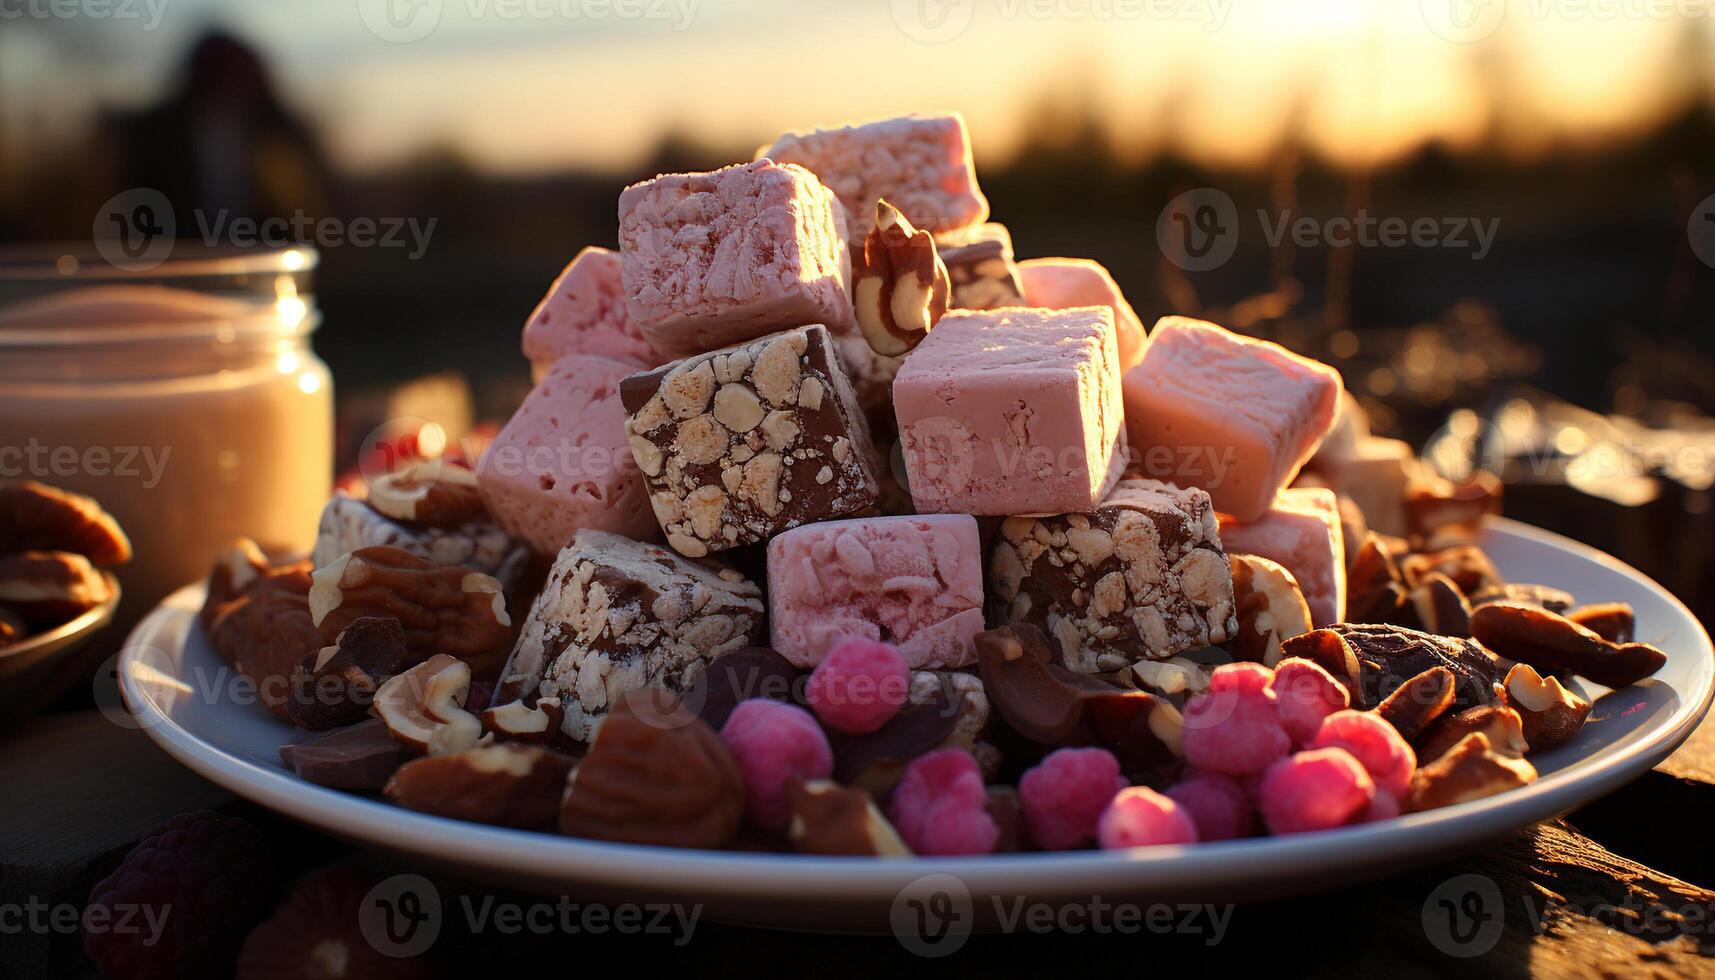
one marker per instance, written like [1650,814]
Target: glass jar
[185,398]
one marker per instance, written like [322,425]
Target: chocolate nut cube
[584,313]
[921,164]
[479,544]
[617,615]
[1141,577]
[711,259]
[979,264]
[739,444]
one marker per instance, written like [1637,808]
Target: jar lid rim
[51,262]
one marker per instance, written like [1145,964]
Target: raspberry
[316,933]
[1139,817]
[203,878]
[1315,790]
[1217,804]
[1305,695]
[1377,746]
[859,686]
[773,742]
[940,807]
[1383,807]
[1064,795]
[1233,728]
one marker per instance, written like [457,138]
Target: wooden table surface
[1620,887]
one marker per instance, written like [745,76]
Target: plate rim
[767,875]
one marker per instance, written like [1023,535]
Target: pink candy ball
[1377,746]
[1217,804]
[1305,694]
[859,686]
[940,806]
[1314,790]
[1233,728]
[1140,817]
[773,742]
[1064,795]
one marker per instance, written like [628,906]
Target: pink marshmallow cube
[1242,415]
[562,463]
[1302,531]
[915,582]
[584,313]
[1012,411]
[1060,284]
[714,259]
[920,164]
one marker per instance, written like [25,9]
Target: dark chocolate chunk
[361,757]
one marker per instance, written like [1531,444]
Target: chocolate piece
[1612,621]
[1466,565]
[617,615]
[334,686]
[739,444]
[979,263]
[1553,643]
[1547,596]
[361,757]
[899,286]
[876,761]
[236,569]
[1142,577]
[748,672]
[827,818]
[506,784]
[1441,608]
[1388,656]
[1049,704]
[1417,703]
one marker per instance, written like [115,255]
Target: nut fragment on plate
[1553,643]
[1441,606]
[1500,724]
[1269,606]
[900,286]
[49,587]
[1551,714]
[507,784]
[827,818]
[1438,507]
[37,517]
[445,609]
[1375,587]
[335,685]
[235,570]
[1470,770]
[656,774]
[524,720]
[439,493]
[1416,704]
[424,707]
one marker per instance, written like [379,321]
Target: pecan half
[235,570]
[267,630]
[37,517]
[900,286]
[50,587]
[444,608]
[1553,643]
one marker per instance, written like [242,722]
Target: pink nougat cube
[714,259]
[1239,415]
[915,582]
[1058,284]
[584,313]
[563,463]
[1302,532]
[920,164]
[1012,411]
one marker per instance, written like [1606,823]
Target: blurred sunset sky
[520,87]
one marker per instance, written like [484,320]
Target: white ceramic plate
[188,701]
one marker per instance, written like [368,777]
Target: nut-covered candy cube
[1302,532]
[739,444]
[480,544]
[914,582]
[1240,415]
[921,164]
[617,615]
[561,463]
[1141,577]
[1060,284]
[584,313]
[710,259]
[1012,411]
[979,264]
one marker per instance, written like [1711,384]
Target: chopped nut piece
[1269,606]
[1441,606]
[827,818]
[1551,714]
[1470,770]
[444,609]
[440,494]
[900,286]
[424,707]
[507,784]
[1501,725]
[1612,621]
[1416,704]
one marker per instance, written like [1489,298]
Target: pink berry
[1306,694]
[773,742]
[1233,728]
[1140,817]
[859,686]
[940,806]
[1064,795]
[1383,807]
[1217,804]
[1315,790]
[1377,746]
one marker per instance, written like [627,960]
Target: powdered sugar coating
[773,744]
[940,807]
[584,312]
[1301,531]
[1061,283]
[1064,795]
